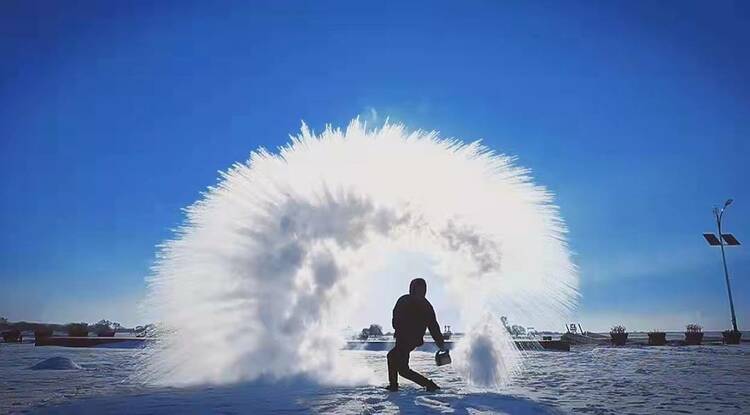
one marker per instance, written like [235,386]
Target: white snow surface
[594,380]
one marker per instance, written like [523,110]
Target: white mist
[259,279]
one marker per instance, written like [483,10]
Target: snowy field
[595,380]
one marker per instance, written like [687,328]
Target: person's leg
[394,357]
[413,376]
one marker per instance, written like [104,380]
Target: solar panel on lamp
[711,239]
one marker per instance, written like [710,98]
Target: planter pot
[42,332]
[693,339]
[657,339]
[619,339]
[731,337]
[12,336]
[78,332]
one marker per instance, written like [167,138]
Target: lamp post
[721,240]
[719,215]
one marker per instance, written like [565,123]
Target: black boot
[431,387]
[392,387]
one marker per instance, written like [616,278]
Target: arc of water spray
[253,283]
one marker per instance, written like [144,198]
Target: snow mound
[56,363]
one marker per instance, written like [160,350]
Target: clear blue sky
[114,115]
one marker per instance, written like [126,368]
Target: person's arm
[434,327]
[397,316]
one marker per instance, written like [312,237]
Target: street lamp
[721,240]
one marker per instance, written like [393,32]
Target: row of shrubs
[12,332]
[79,330]
[73,330]
[693,336]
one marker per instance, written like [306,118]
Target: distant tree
[375,330]
[517,330]
[104,328]
[103,323]
[618,329]
[508,327]
[694,328]
[149,330]
[3,321]
[78,329]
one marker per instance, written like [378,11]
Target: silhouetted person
[411,316]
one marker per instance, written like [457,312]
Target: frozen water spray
[260,278]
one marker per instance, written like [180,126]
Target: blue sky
[114,116]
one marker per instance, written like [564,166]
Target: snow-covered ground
[600,380]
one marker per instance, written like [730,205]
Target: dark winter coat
[411,316]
